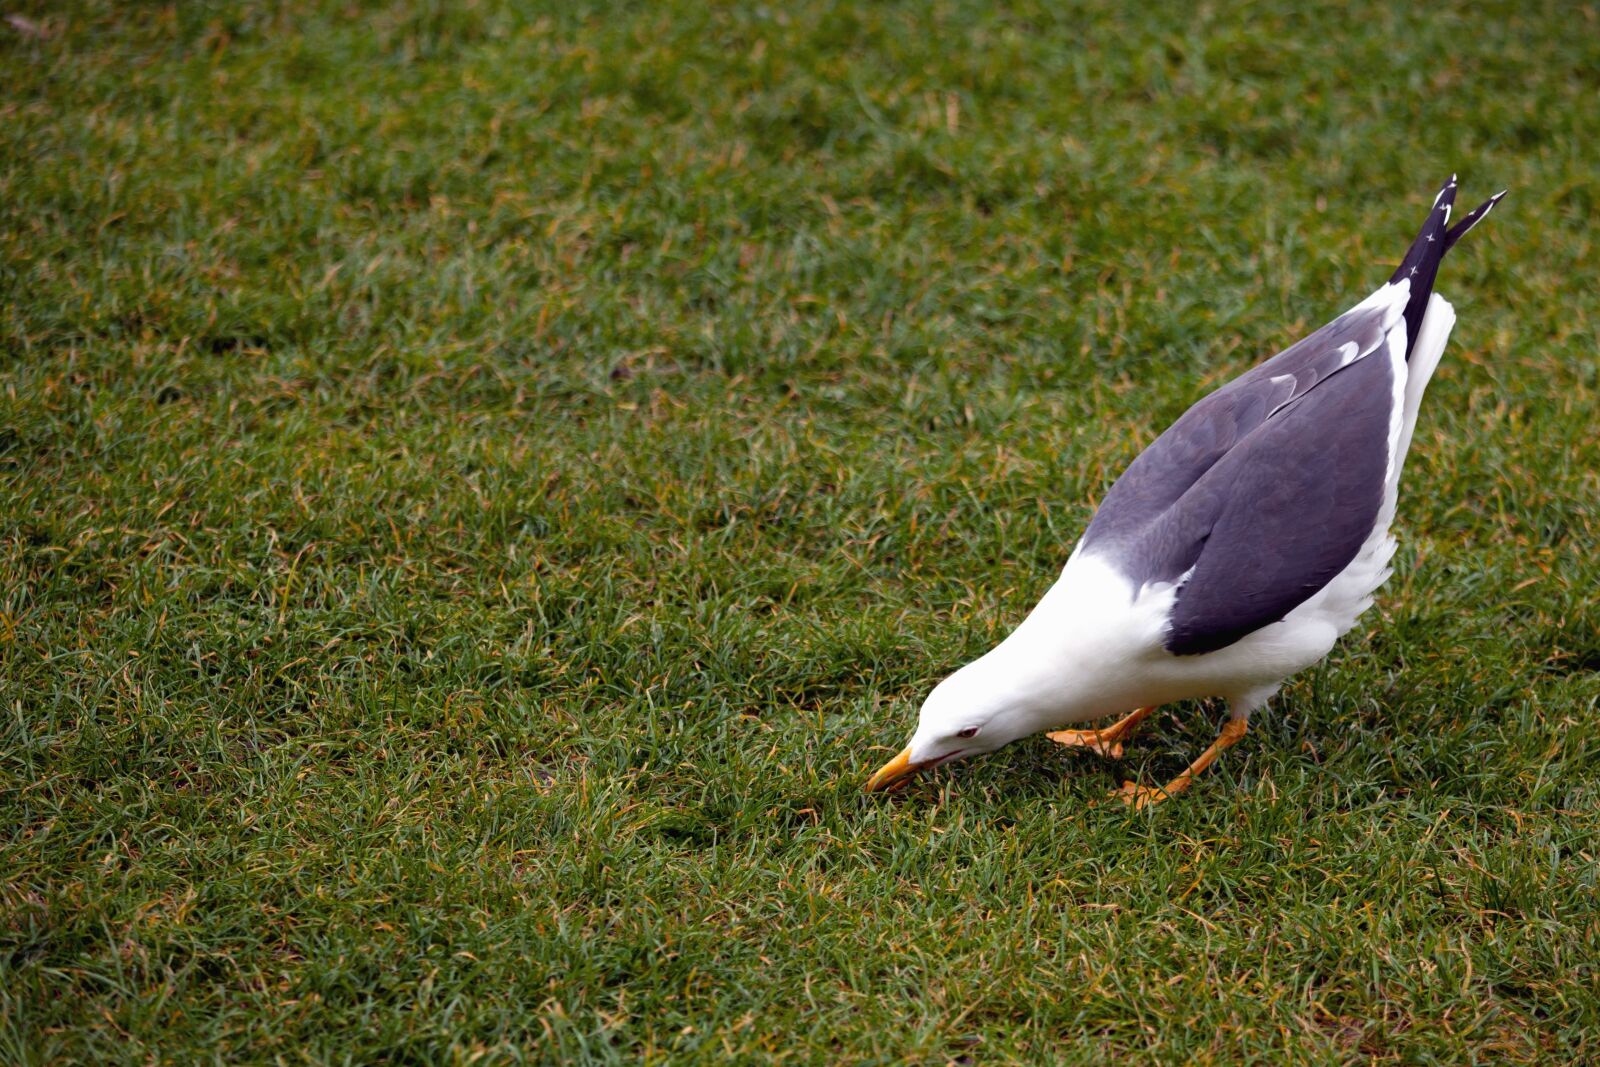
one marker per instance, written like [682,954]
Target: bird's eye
[971,731]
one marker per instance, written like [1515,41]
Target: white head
[978,709]
[1068,661]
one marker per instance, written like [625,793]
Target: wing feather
[1264,490]
[1280,516]
[1217,424]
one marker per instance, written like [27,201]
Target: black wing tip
[1446,197]
[1421,260]
[1438,236]
[1471,219]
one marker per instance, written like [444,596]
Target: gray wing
[1263,491]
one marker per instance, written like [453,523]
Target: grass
[482,486]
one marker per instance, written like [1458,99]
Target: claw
[1106,742]
[1089,739]
[1138,797]
[1142,796]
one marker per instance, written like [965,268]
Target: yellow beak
[893,771]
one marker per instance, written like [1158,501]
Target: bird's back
[1267,490]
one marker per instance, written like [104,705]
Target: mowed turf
[482,487]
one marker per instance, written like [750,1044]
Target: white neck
[1076,655]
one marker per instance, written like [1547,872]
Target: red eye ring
[971,731]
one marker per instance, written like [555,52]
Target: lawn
[482,486]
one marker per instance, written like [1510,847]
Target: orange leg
[1106,742]
[1142,796]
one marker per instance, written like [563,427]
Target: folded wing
[1266,489]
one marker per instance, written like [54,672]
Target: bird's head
[967,714]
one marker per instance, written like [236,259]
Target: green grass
[481,488]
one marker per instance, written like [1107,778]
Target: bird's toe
[1089,739]
[1138,797]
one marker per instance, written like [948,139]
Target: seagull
[1232,553]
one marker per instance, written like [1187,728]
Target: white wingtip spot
[1451,184]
